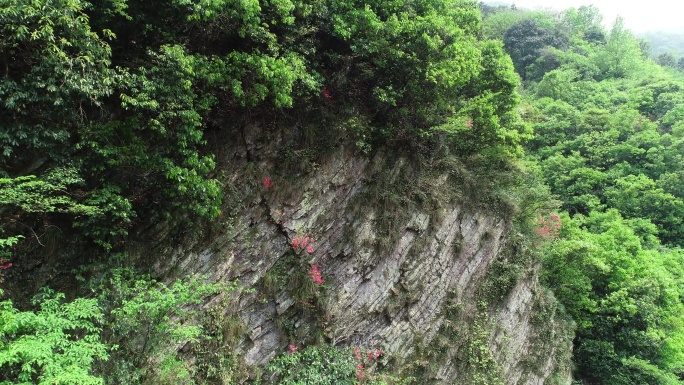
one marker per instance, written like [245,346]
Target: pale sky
[639,15]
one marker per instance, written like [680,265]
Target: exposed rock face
[401,284]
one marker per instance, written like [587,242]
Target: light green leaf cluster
[147,320]
[117,338]
[46,194]
[58,344]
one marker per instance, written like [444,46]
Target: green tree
[120,337]
[666,60]
[621,55]
[625,299]
[526,41]
[638,196]
[585,22]
[56,72]
[58,344]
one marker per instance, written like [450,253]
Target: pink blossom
[4,265]
[267,182]
[359,372]
[302,241]
[316,274]
[548,228]
[293,349]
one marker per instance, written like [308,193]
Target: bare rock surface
[390,290]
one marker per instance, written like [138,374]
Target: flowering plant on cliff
[305,242]
[302,242]
[365,362]
[547,228]
[316,275]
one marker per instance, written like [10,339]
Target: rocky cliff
[440,286]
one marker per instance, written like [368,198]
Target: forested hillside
[610,145]
[555,146]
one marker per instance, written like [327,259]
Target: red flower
[548,229]
[316,274]
[326,92]
[303,241]
[359,372]
[267,182]
[293,349]
[4,265]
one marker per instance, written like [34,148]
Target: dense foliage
[122,337]
[120,95]
[608,140]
